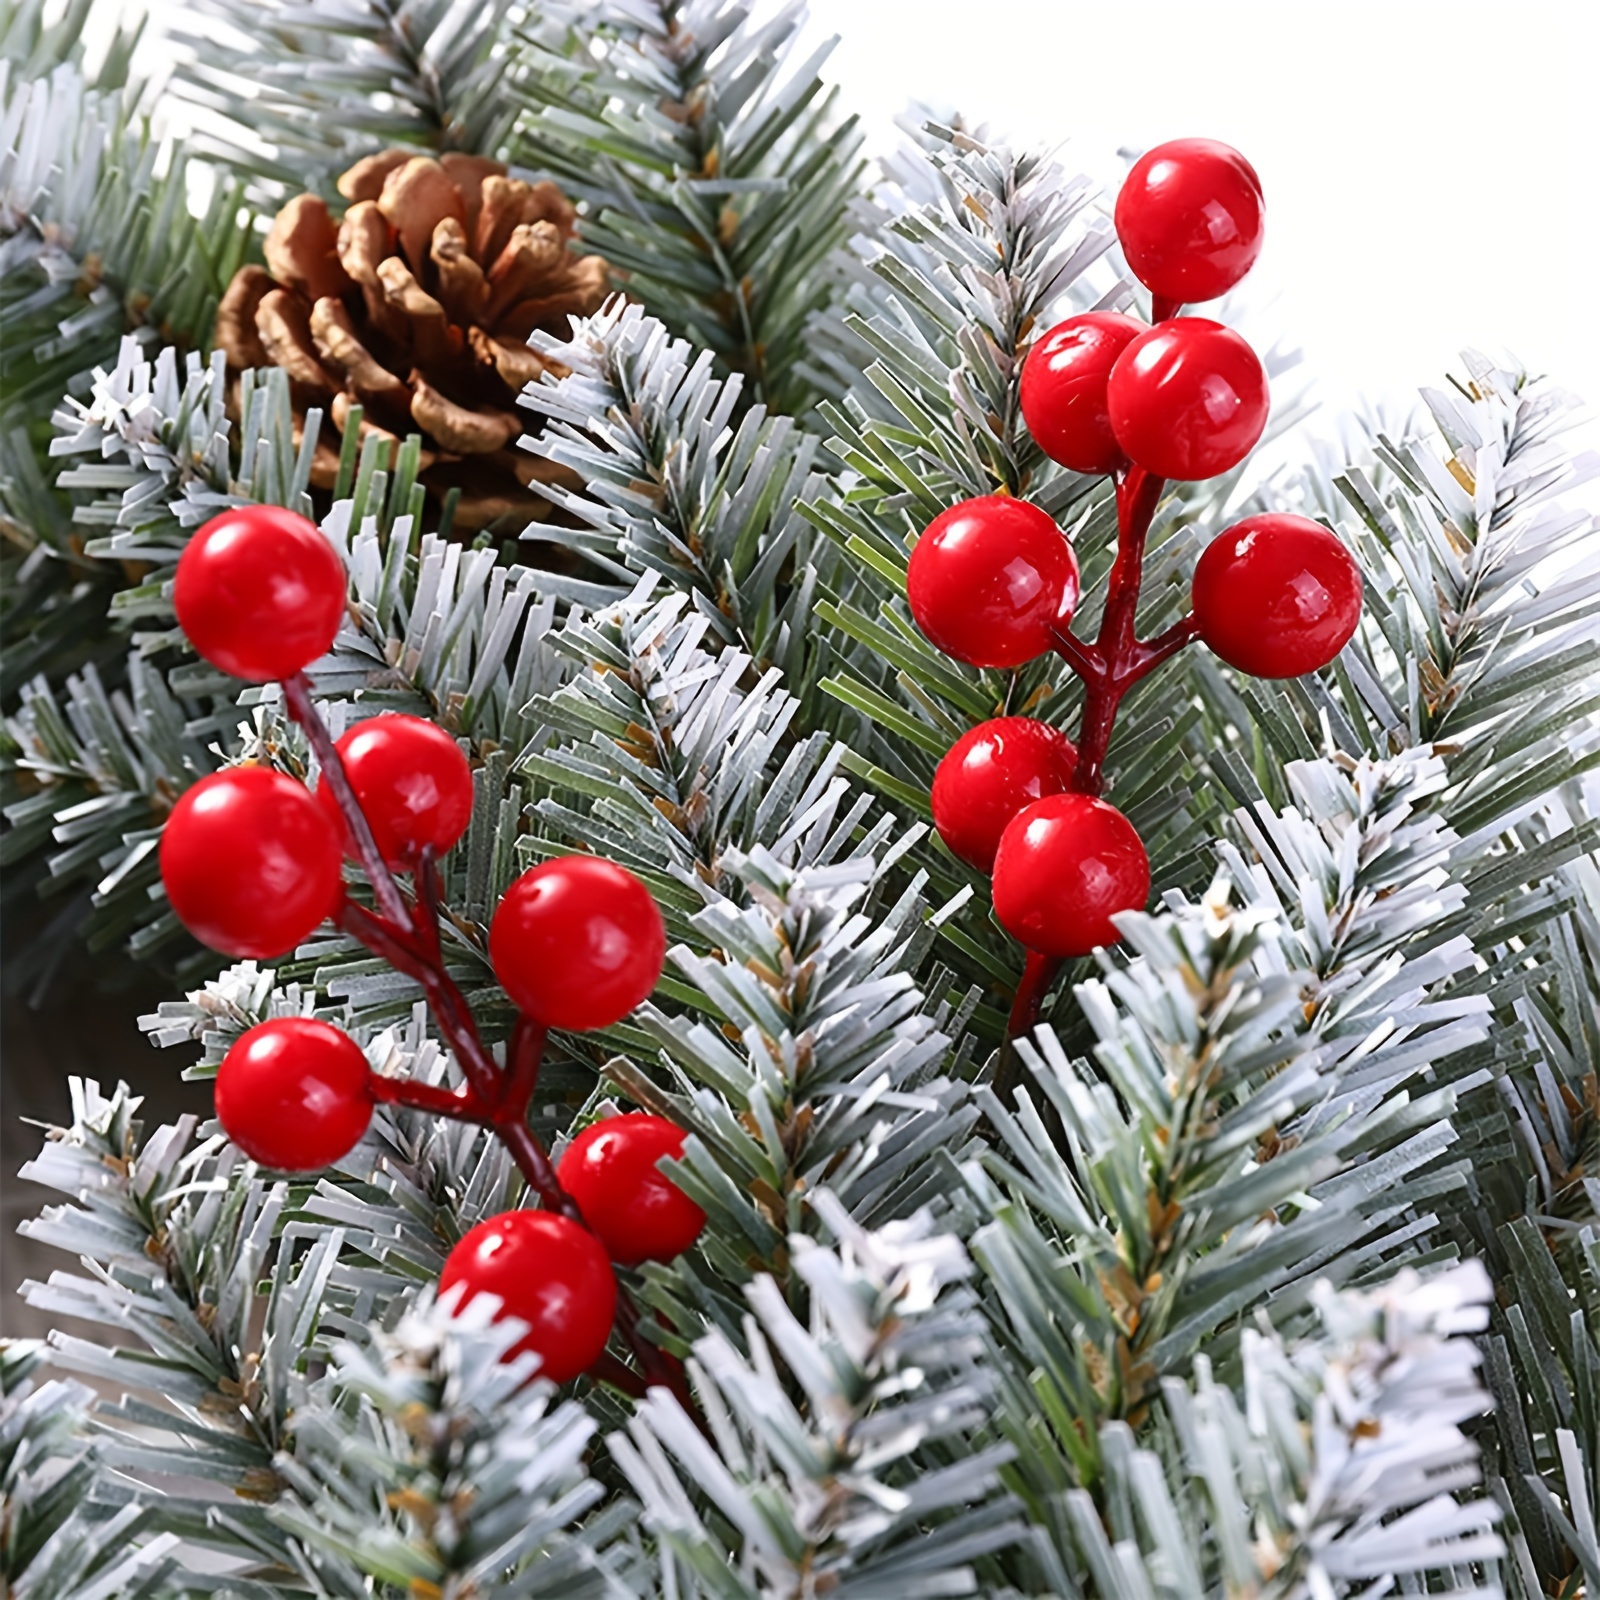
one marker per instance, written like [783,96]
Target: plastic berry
[260,592]
[548,1272]
[294,1094]
[411,781]
[1065,865]
[1188,399]
[577,942]
[1277,596]
[1064,389]
[990,579]
[250,862]
[989,774]
[1189,216]
[636,1211]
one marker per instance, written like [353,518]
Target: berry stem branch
[297,697]
[1110,666]
[1114,663]
[408,938]
[1038,973]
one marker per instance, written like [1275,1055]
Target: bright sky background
[1432,167]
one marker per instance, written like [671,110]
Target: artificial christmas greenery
[1267,1263]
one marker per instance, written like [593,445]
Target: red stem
[1037,975]
[409,940]
[459,1104]
[1109,667]
[297,697]
[1116,660]
[527,1051]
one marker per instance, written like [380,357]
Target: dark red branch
[1149,654]
[1037,976]
[297,697]
[1117,647]
[408,938]
[461,1105]
[527,1051]
[1084,659]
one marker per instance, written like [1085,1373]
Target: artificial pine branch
[481,1479]
[716,171]
[288,94]
[96,236]
[678,482]
[814,1474]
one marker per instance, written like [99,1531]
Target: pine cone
[417,307]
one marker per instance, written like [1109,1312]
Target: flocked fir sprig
[251,863]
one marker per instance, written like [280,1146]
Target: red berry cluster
[994,582]
[251,861]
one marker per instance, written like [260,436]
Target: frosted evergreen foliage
[809,1476]
[715,169]
[482,1478]
[677,482]
[1268,1264]
[290,93]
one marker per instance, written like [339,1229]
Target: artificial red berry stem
[1114,665]
[461,1105]
[381,938]
[1038,973]
[426,913]
[1161,308]
[498,1099]
[609,1370]
[527,1051]
[297,697]
[1084,659]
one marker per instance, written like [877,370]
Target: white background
[1432,167]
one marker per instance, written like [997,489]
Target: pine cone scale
[416,306]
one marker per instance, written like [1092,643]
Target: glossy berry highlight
[1063,390]
[577,943]
[1066,865]
[989,774]
[990,580]
[260,592]
[1277,596]
[250,862]
[636,1211]
[547,1272]
[1190,219]
[1188,399]
[412,783]
[294,1093]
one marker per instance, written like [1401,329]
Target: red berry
[412,782]
[547,1272]
[260,592]
[989,775]
[294,1094]
[990,579]
[1189,216]
[250,862]
[577,943]
[1188,399]
[1277,596]
[1064,866]
[1064,389]
[637,1212]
